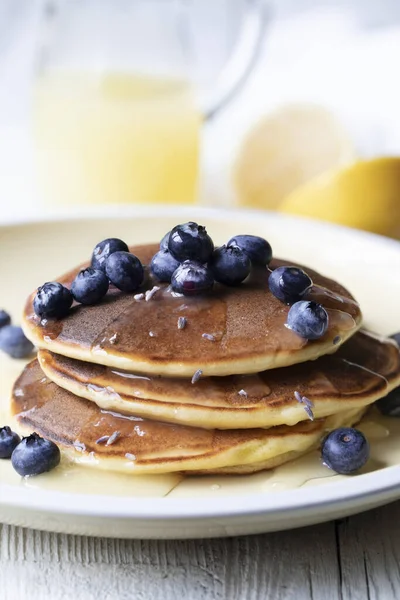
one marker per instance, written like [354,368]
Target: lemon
[286,149]
[365,195]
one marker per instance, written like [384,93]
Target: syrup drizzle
[120,323]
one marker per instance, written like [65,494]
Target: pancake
[363,370]
[244,326]
[145,446]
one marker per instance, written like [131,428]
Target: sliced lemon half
[284,150]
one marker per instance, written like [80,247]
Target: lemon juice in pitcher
[115,138]
[116,98]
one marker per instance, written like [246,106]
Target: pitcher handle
[242,61]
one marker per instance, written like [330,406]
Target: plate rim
[121,211]
[164,508]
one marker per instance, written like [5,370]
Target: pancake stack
[157,382]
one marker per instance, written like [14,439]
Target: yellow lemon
[284,150]
[365,195]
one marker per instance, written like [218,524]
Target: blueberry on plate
[289,284]
[52,300]
[125,271]
[5,318]
[192,278]
[308,319]
[90,286]
[257,248]
[14,342]
[345,450]
[163,265]
[390,404]
[35,455]
[190,241]
[229,265]
[8,441]
[104,249]
[164,241]
[396,337]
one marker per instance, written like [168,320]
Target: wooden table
[353,559]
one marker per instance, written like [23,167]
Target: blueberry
[8,441]
[192,278]
[52,300]
[229,265]
[103,250]
[308,319]
[164,241]
[390,404]
[125,271]
[163,265]
[345,450]
[396,338]
[190,242]
[289,284]
[90,286]
[257,248]
[35,455]
[5,318]
[14,342]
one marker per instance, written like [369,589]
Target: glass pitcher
[122,88]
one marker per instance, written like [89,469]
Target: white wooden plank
[370,555]
[298,565]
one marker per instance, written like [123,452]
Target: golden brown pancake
[144,446]
[246,324]
[364,369]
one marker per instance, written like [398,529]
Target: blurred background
[289,105]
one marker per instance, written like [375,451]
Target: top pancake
[247,324]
